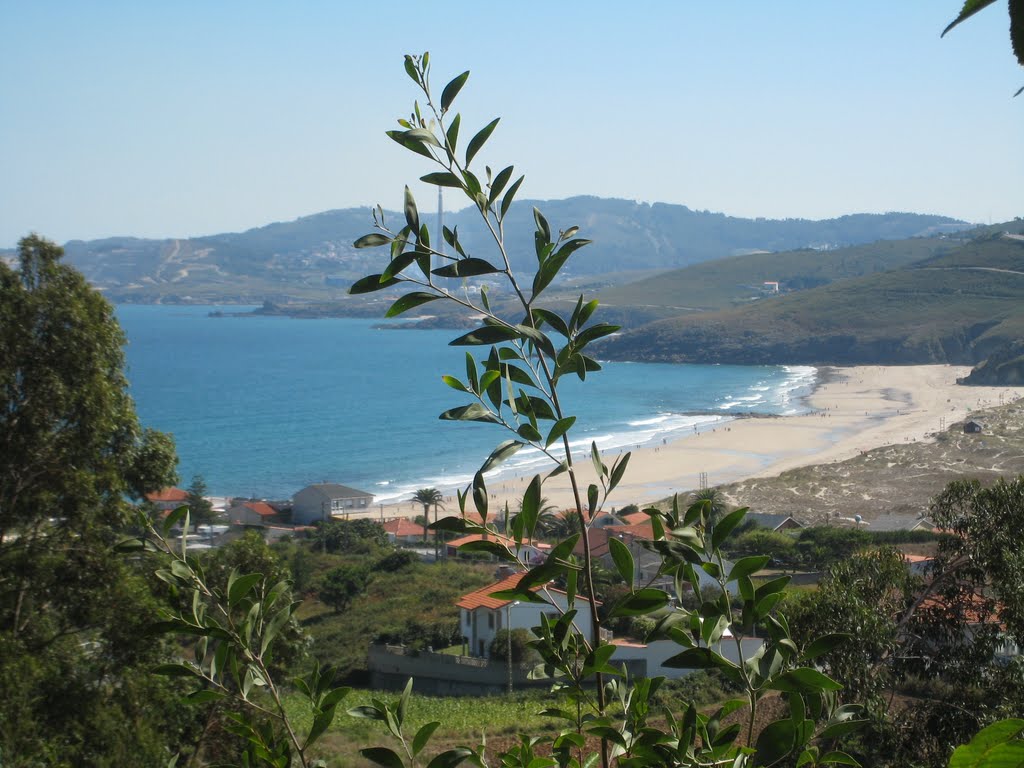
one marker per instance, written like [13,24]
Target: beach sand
[853,410]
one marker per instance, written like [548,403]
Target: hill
[312,258]
[958,305]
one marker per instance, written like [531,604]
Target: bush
[521,650]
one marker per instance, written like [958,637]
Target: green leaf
[321,723]
[553,320]
[366,713]
[422,134]
[452,134]
[500,454]
[242,586]
[423,735]
[499,184]
[371,241]
[470,267]
[487,334]
[443,179]
[996,746]
[531,507]
[410,301]
[725,526]
[840,758]
[382,756]
[640,602]
[776,741]
[452,90]
[803,680]
[451,758]
[543,229]
[746,566]
[454,383]
[618,470]
[372,283]
[175,670]
[593,333]
[478,141]
[412,145]
[412,216]
[825,644]
[560,428]
[506,201]
[472,412]
[622,558]
[970,8]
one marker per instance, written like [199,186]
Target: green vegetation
[75,650]
[957,308]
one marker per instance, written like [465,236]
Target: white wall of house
[480,625]
[660,651]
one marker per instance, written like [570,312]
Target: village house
[402,531]
[167,499]
[481,616]
[253,514]
[773,522]
[323,501]
[532,553]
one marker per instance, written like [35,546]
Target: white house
[651,656]
[323,501]
[482,616]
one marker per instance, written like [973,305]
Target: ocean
[263,406]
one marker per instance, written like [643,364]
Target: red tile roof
[167,494]
[500,538]
[634,518]
[481,598]
[260,508]
[403,526]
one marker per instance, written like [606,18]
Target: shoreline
[851,410]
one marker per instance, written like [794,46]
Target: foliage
[341,585]
[971,7]
[514,385]
[350,536]
[73,645]
[521,651]
[200,508]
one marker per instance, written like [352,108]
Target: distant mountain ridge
[312,257]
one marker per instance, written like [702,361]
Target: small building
[973,427]
[249,513]
[322,501]
[167,498]
[895,522]
[773,522]
[481,616]
[533,553]
[402,530]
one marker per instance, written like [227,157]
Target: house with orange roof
[167,498]
[533,553]
[252,513]
[482,616]
[402,530]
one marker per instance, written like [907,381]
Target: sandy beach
[852,410]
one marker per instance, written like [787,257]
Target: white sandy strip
[855,410]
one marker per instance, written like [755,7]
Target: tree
[341,585]
[716,504]
[199,507]
[350,537]
[73,648]
[429,497]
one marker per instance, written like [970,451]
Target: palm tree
[547,514]
[428,497]
[715,500]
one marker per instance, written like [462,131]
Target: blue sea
[263,406]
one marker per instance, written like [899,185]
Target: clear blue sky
[189,118]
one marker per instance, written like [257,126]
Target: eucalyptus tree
[72,457]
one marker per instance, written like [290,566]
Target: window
[490,620]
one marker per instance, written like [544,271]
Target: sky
[190,118]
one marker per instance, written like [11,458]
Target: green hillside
[312,258]
[956,306]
